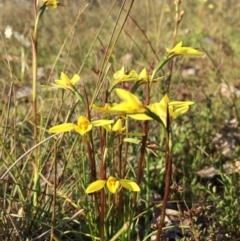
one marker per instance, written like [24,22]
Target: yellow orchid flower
[112,185]
[118,127]
[179,107]
[120,76]
[82,127]
[130,105]
[179,50]
[158,109]
[175,108]
[65,82]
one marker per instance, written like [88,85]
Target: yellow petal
[141,117]
[130,185]
[179,107]
[189,51]
[117,127]
[132,75]
[119,74]
[131,104]
[95,186]
[176,48]
[112,184]
[179,50]
[143,75]
[180,111]
[160,109]
[180,103]
[170,110]
[65,78]
[165,100]
[102,122]
[127,96]
[61,84]
[127,108]
[75,79]
[107,127]
[62,128]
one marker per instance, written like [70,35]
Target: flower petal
[130,105]
[95,186]
[119,74]
[180,111]
[65,78]
[141,117]
[117,127]
[127,96]
[62,128]
[176,48]
[107,127]
[179,50]
[102,122]
[130,185]
[61,84]
[190,51]
[180,103]
[144,76]
[75,79]
[128,108]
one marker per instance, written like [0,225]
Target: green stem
[36,165]
[159,67]
[54,193]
